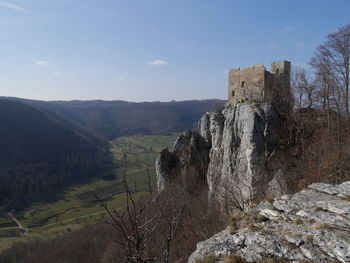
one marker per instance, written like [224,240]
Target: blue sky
[149,50]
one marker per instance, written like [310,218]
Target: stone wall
[246,84]
[256,84]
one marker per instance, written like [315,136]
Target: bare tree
[139,221]
[304,88]
[236,196]
[332,64]
[172,222]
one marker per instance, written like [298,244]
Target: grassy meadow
[77,207]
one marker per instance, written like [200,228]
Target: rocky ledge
[312,225]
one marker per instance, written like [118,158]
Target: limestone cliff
[312,225]
[187,163]
[229,153]
[242,139]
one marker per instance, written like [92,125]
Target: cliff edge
[312,225]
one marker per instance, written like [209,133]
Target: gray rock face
[188,162]
[313,225]
[242,139]
[229,153]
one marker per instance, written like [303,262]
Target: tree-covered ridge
[39,155]
[111,119]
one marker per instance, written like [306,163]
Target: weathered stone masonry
[256,84]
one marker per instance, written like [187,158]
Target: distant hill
[39,154]
[110,119]
[45,146]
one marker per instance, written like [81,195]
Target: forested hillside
[39,154]
[111,119]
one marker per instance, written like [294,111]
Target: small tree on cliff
[304,88]
[238,196]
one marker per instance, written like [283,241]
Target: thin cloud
[13,7]
[57,72]
[120,78]
[42,63]
[272,45]
[158,62]
[188,44]
[300,44]
[287,29]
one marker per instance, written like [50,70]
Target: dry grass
[248,220]
[320,209]
[267,232]
[310,239]
[235,220]
[234,258]
[312,221]
[291,245]
[298,221]
[344,216]
[346,198]
[323,226]
[211,258]
[270,198]
[271,260]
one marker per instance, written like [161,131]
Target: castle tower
[280,67]
[246,84]
[256,84]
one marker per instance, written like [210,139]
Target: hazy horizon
[151,50]
[110,100]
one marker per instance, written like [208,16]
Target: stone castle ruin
[256,84]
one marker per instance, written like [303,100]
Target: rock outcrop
[312,225]
[229,153]
[187,163]
[242,139]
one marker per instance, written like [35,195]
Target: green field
[77,205]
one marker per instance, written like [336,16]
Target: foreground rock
[312,225]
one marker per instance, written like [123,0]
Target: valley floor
[77,207]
